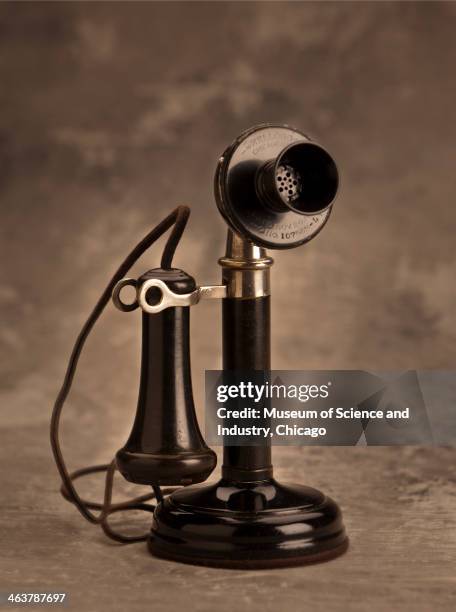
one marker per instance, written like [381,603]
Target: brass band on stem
[245,268]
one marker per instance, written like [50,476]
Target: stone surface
[111,114]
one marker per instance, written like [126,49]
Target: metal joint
[165,297]
[245,268]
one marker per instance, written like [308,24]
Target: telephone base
[250,525]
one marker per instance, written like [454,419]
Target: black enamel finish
[247,520]
[249,201]
[165,446]
[249,525]
[246,347]
[302,179]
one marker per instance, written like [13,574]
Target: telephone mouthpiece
[275,186]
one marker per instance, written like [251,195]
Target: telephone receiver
[275,188]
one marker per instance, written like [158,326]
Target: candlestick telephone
[275,188]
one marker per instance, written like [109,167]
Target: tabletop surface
[399,511]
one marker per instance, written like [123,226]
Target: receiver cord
[177,220]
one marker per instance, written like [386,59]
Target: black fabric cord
[177,220]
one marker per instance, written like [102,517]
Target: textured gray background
[110,115]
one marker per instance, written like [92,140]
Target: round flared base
[248,525]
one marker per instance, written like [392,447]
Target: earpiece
[165,446]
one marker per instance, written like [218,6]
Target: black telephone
[275,188]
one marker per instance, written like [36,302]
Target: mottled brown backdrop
[113,113]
